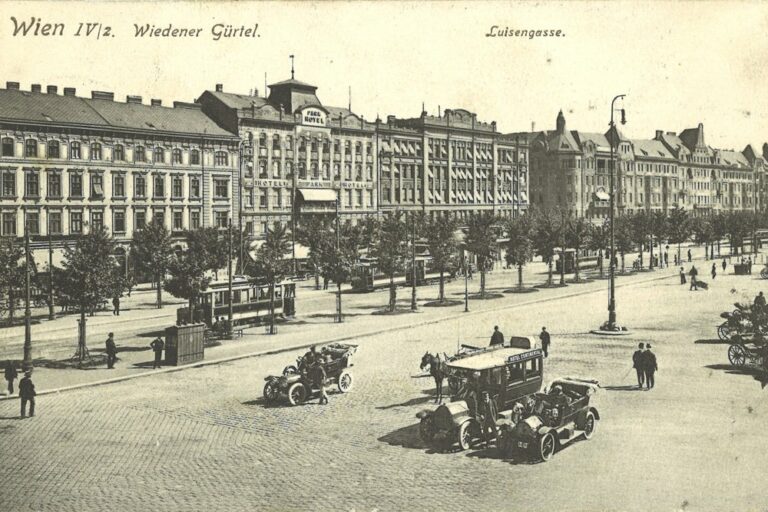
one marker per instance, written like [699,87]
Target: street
[204,439]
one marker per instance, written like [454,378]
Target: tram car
[366,276]
[250,302]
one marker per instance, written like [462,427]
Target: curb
[300,346]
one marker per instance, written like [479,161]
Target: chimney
[659,134]
[37,88]
[12,86]
[52,89]
[533,126]
[103,95]
[133,99]
[219,87]
[69,91]
[156,102]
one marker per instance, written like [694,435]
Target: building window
[194,219]
[118,153]
[118,221]
[54,223]
[178,220]
[158,156]
[315,173]
[32,223]
[194,187]
[302,171]
[140,219]
[9,223]
[262,198]
[159,188]
[75,222]
[97,186]
[289,170]
[54,184]
[139,186]
[220,158]
[30,148]
[249,198]
[222,219]
[158,217]
[194,157]
[221,188]
[275,141]
[97,220]
[9,183]
[176,156]
[275,169]
[326,171]
[76,185]
[347,172]
[359,199]
[262,168]
[95,151]
[139,154]
[118,185]
[53,149]
[8,148]
[178,187]
[31,184]
[74,150]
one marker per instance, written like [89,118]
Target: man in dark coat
[637,364]
[158,345]
[693,273]
[488,415]
[759,300]
[650,366]
[318,376]
[111,350]
[10,375]
[497,338]
[27,394]
[545,340]
[689,255]
[116,305]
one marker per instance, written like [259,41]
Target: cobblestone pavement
[203,438]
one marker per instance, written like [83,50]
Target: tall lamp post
[229,277]
[51,311]
[27,363]
[466,284]
[414,305]
[246,150]
[339,317]
[611,325]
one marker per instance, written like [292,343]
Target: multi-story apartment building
[571,169]
[451,164]
[69,164]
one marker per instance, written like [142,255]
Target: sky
[679,63]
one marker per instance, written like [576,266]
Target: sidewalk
[136,361]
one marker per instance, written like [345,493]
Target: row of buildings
[69,163]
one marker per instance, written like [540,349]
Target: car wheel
[427,429]
[297,393]
[590,425]
[345,382]
[290,369]
[465,435]
[547,446]
[764,273]
[271,392]
[736,355]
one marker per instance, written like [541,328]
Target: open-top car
[295,384]
[548,420]
[506,373]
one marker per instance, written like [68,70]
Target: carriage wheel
[297,393]
[547,447]
[271,392]
[590,425]
[723,332]
[736,355]
[427,429]
[345,381]
[290,369]
[465,435]
[764,273]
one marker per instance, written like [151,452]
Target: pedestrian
[318,380]
[714,271]
[759,300]
[545,340]
[469,275]
[689,255]
[325,282]
[111,351]
[158,345]
[116,305]
[724,265]
[682,276]
[676,262]
[10,375]
[27,394]
[650,366]
[497,338]
[749,265]
[666,259]
[488,415]
[693,273]
[637,364]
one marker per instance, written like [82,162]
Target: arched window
[275,141]
[275,169]
[194,157]
[315,173]
[177,156]
[263,140]
[8,146]
[139,154]
[53,149]
[358,172]
[336,170]
[95,151]
[159,155]
[30,148]
[262,168]
[314,145]
[347,172]
[289,169]
[74,150]
[326,171]
[302,170]
[289,142]
[118,153]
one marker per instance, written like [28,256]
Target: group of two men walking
[644,363]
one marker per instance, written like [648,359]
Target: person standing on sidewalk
[693,273]
[10,375]
[650,366]
[682,276]
[27,394]
[714,271]
[637,364]
[116,305]
[111,351]
[158,345]
[689,255]
[724,265]
[545,340]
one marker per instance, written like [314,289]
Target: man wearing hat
[637,364]
[544,337]
[10,375]
[158,345]
[649,365]
[111,351]
[27,394]
[497,338]
[318,376]
[487,412]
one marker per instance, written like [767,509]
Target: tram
[367,277]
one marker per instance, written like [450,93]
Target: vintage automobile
[295,384]
[748,349]
[457,378]
[506,373]
[552,419]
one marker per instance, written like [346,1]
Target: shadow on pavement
[413,401]
[715,341]
[628,387]
[758,374]
[262,402]
[407,437]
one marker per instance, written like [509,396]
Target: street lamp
[229,276]
[339,318]
[27,363]
[246,150]
[466,284]
[414,306]
[51,312]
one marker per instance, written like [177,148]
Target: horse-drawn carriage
[745,319]
[748,349]
[295,384]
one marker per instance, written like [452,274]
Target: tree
[578,230]
[599,241]
[622,235]
[547,236]
[737,225]
[703,232]
[311,233]
[519,248]
[719,223]
[88,274]
[482,241]
[206,244]
[338,256]
[640,224]
[11,273]
[152,252]
[390,249]
[679,227]
[657,229]
[187,278]
[440,234]
[271,264]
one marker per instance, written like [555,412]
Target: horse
[437,371]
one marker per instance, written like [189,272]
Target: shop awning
[318,195]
